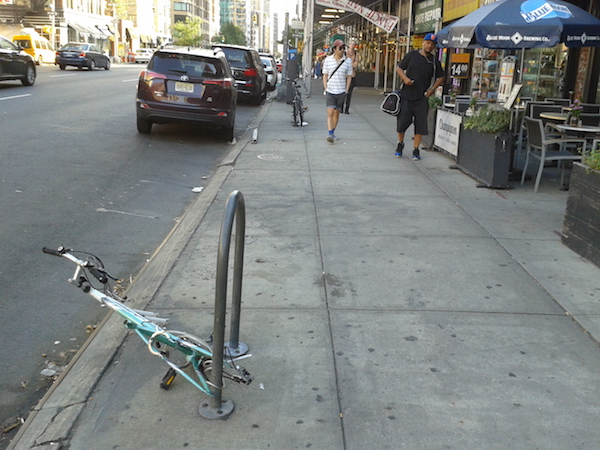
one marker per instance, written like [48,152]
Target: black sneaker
[399,149]
[416,155]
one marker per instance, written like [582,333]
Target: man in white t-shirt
[337,76]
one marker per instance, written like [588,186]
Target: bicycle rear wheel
[298,112]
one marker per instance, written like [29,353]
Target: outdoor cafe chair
[522,130]
[590,108]
[592,120]
[539,147]
[559,101]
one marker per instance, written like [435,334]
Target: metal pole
[218,408]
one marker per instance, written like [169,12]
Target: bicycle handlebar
[99,273]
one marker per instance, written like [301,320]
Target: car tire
[29,77]
[144,125]
[92,65]
[107,67]
[79,67]
[62,67]
[257,99]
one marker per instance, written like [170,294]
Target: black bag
[391,103]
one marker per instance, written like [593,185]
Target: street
[75,172]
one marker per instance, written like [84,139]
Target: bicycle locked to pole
[190,350]
[298,108]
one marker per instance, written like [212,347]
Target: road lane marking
[129,81]
[63,75]
[12,97]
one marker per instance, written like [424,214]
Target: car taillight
[250,72]
[148,75]
[82,54]
[226,82]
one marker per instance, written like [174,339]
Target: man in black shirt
[421,73]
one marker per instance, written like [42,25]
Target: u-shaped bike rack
[217,408]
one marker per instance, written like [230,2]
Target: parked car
[142,55]
[187,85]
[37,46]
[82,55]
[15,64]
[270,69]
[248,70]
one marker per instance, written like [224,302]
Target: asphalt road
[74,171]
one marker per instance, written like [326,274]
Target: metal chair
[538,148]
[461,107]
[592,120]
[590,108]
[559,101]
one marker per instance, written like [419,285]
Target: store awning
[132,33]
[85,30]
[79,28]
[104,30]
[144,39]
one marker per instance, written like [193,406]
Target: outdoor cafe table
[584,131]
[560,117]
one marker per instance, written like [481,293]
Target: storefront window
[486,73]
[543,72]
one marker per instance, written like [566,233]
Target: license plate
[188,88]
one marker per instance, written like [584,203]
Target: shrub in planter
[484,146]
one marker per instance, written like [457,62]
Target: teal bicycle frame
[149,327]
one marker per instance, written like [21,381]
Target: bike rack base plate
[223,412]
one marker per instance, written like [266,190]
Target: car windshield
[75,47]
[266,62]
[25,43]
[235,55]
[193,66]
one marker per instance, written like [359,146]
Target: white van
[37,46]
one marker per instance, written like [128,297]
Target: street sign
[297,25]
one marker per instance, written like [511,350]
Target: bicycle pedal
[243,378]
[168,379]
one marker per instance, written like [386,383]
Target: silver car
[270,69]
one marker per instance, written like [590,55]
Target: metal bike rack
[217,408]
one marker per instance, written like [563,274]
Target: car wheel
[92,65]
[257,99]
[144,125]
[29,77]
[62,67]
[79,67]
[107,67]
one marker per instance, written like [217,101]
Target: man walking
[422,74]
[351,53]
[337,76]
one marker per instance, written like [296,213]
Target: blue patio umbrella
[518,24]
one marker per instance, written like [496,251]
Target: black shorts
[335,100]
[417,110]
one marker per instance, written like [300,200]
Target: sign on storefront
[384,21]
[427,15]
[460,65]
[453,9]
[447,131]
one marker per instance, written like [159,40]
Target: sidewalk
[386,303]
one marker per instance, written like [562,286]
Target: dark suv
[187,85]
[248,70]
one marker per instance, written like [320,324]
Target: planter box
[581,230]
[485,157]
[427,141]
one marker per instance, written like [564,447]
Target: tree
[230,34]
[188,32]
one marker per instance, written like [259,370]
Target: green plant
[592,159]
[434,102]
[489,119]
[576,108]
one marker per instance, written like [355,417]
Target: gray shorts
[335,100]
